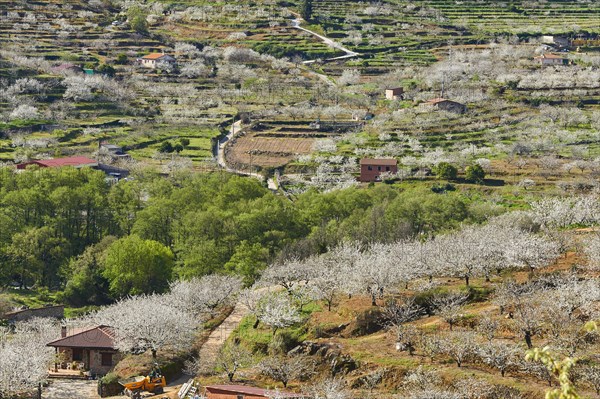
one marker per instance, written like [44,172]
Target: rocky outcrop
[330,354]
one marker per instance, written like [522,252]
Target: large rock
[329,353]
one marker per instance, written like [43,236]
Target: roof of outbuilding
[382,162]
[70,161]
[550,56]
[250,390]
[101,337]
[436,100]
[28,310]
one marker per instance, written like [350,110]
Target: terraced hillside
[394,33]
[274,143]
[49,106]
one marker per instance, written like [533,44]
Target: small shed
[447,105]
[371,169]
[557,41]
[551,59]
[394,93]
[152,60]
[49,311]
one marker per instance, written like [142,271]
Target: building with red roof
[244,392]
[152,60]
[77,162]
[92,348]
[551,59]
[371,169]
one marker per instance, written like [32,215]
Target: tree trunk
[502,372]
[328,309]
[467,279]
[256,323]
[230,376]
[458,363]
[451,324]
[373,299]
[153,354]
[528,339]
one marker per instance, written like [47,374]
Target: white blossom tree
[278,310]
[25,356]
[149,322]
[205,295]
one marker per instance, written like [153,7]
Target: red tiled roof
[249,390]
[382,162]
[101,337]
[154,56]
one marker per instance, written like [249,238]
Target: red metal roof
[101,337]
[378,162]
[242,389]
[58,162]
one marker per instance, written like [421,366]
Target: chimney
[63,331]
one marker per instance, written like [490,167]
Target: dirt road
[236,128]
[210,349]
[330,42]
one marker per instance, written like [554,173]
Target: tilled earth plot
[71,389]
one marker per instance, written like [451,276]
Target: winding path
[210,349]
[233,130]
[236,127]
[330,42]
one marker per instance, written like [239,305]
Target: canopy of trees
[69,229]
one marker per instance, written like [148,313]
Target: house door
[87,359]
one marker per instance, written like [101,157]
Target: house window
[77,354]
[379,168]
[370,167]
[240,397]
[387,168]
[106,359]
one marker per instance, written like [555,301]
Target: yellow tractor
[153,382]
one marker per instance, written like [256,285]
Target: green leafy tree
[248,261]
[121,59]
[184,142]
[178,148]
[166,146]
[85,283]
[306,10]
[135,266]
[105,69]
[155,221]
[137,20]
[475,173]
[36,255]
[447,171]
